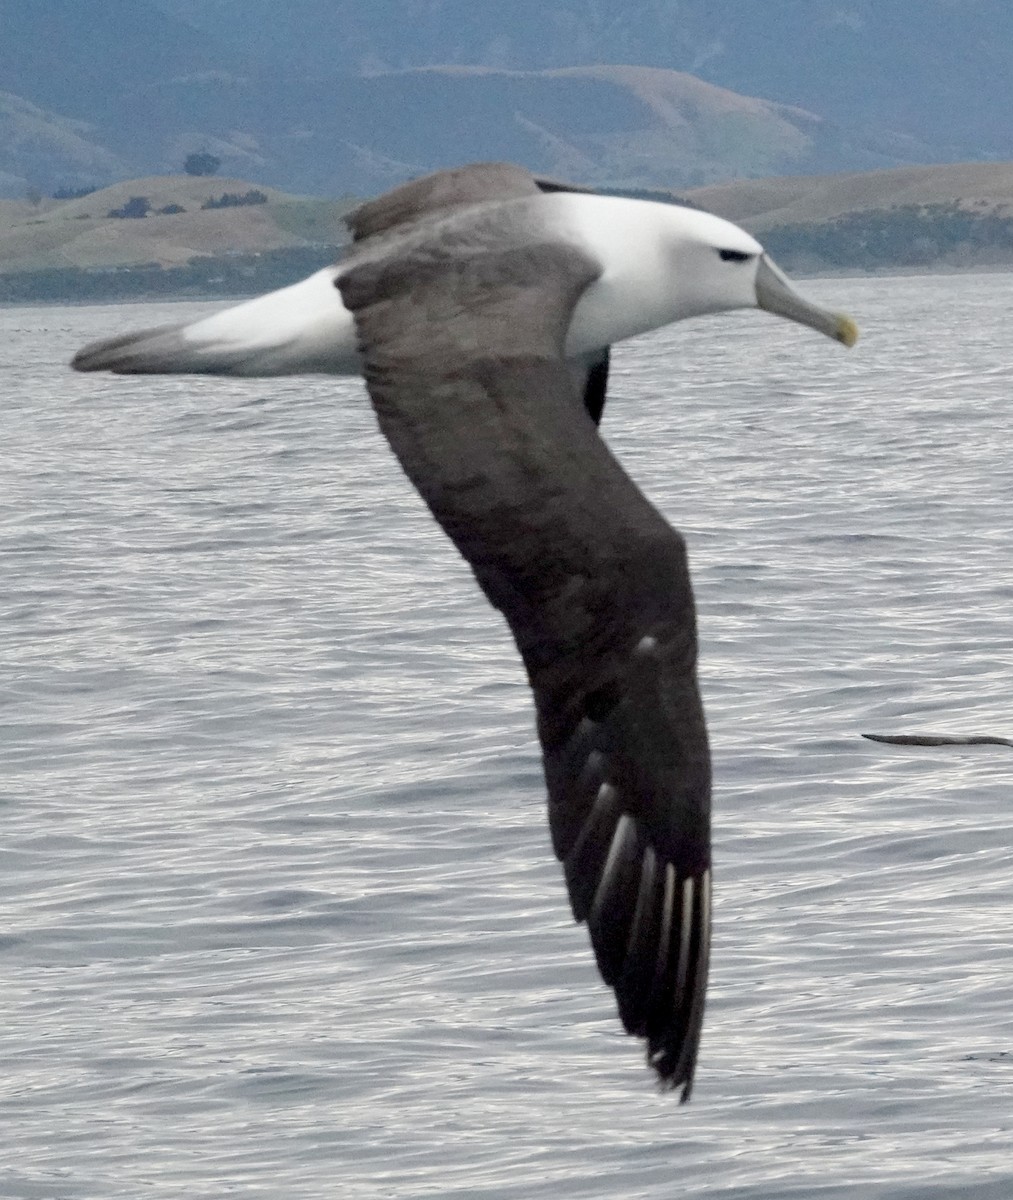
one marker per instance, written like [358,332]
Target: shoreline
[236,296]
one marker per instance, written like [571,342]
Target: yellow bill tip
[846,331]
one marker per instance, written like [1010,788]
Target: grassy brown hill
[953,216]
[610,124]
[81,233]
[762,204]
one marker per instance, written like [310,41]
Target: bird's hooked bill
[775,294]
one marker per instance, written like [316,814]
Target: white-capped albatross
[476,304]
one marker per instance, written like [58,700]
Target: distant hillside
[81,58]
[605,125]
[81,233]
[76,250]
[331,96]
[955,215]
[766,203]
[937,72]
[253,239]
[37,144]
[616,125]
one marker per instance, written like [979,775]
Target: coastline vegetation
[950,236]
[910,235]
[202,276]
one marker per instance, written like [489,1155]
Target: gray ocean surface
[280,917]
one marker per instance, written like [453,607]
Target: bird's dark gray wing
[457,187]
[437,194]
[463,360]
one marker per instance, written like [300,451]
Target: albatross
[479,304]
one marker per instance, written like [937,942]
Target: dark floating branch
[926,739]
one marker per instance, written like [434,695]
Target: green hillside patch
[164,235]
[314,220]
[912,235]
[236,275]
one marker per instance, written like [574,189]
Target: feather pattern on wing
[461,337]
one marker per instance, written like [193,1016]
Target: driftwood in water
[925,739]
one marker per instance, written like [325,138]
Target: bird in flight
[480,304]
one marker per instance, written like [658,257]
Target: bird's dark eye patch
[734,256]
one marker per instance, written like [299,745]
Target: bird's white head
[663,263]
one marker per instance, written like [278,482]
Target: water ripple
[281,913]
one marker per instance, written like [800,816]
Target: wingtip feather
[146,352]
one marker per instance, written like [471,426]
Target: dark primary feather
[464,364]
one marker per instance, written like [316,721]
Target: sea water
[280,916]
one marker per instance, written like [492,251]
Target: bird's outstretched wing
[436,195]
[300,328]
[461,341]
[304,327]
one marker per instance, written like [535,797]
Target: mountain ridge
[935,71]
[619,125]
[328,96]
